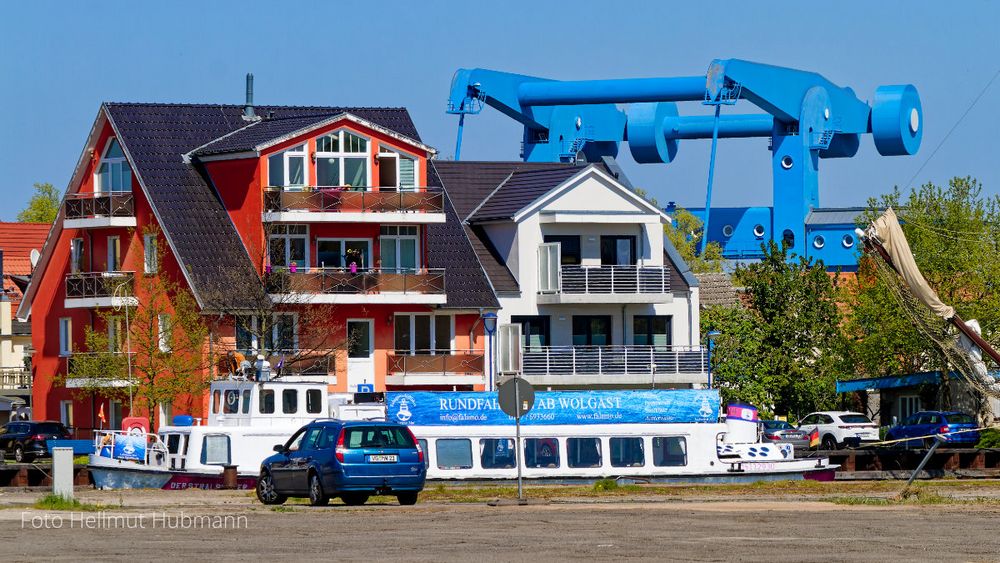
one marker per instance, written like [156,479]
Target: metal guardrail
[97,284]
[355,200]
[448,363]
[87,205]
[287,362]
[613,360]
[346,281]
[614,279]
[15,378]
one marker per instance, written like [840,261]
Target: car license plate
[383,458]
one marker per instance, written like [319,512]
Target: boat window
[627,452]
[541,452]
[313,399]
[216,399]
[266,401]
[289,401]
[427,453]
[215,450]
[173,443]
[246,401]
[496,453]
[669,451]
[232,404]
[454,453]
[583,452]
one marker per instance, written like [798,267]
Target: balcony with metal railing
[615,365]
[347,285]
[341,204]
[94,210]
[15,381]
[428,367]
[99,289]
[313,364]
[608,284]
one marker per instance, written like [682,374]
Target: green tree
[782,352]
[685,234]
[42,207]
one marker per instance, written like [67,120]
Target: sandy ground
[149,525]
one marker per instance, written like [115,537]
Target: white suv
[836,427]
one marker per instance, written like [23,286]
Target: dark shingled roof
[520,190]
[449,247]
[717,290]
[257,133]
[193,218]
[469,182]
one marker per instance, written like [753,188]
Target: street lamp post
[711,336]
[490,325]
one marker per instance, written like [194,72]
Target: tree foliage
[42,207]
[685,234]
[781,353]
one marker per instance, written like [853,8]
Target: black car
[25,439]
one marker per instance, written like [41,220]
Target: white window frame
[163,333]
[65,336]
[285,156]
[150,260]
[433,328]
[288,245]
[342,154]
[114,251]
[343,250]
[66,413]
[76,255]
[119,160]
[418,264]
[386,152]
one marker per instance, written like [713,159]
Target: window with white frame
[342,160]
[65,336]
[113,173]
[396,169]
[163,330]
[908,404]
[260,334]
[66,413]
[342,253]
[287,169]
[76,255]
[289,244]
[150,263]
[398,248]
[424,334]
[114,254]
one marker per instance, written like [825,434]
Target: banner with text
[433,408]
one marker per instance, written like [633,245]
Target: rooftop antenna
[248,113]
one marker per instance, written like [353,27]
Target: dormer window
[342,160]
[287,169]
[114,173]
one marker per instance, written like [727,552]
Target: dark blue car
[923,425]
[348,459]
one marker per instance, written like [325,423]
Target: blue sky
[59,61]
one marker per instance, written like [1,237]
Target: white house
[581,263]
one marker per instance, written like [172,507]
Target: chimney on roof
[248,113]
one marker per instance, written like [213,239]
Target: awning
[894,382]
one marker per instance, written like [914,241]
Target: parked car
[348,459]
[840,428]
[25,439]
[781,432]
[929,423]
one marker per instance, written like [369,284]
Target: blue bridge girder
[806,116]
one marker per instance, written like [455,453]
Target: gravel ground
[145,526]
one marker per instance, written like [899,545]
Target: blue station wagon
[348,459]
[956,429]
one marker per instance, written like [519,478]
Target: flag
[814,438]
[100,416]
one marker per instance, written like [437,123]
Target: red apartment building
[300,212]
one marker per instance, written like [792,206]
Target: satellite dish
[35,255]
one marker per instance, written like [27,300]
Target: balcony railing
[614,279]
[613,360]
[344,281]
[99,284]
[355,200]
[88,205]
[449,363]
[285,362]
[15,378]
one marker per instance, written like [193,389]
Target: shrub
[989,438]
